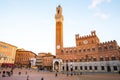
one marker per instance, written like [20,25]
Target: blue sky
[30,24]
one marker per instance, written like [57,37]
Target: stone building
[44,61]
[39,60]
[7,54]
[48,61]
[89,54]
[23,58]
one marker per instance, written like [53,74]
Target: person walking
[42,78]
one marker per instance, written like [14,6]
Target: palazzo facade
[89,54]
[7,54]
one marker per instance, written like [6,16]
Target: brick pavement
[35,75]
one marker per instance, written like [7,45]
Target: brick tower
[59,29]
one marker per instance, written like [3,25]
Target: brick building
[47,61]
[44,61]
[39,60]
[89,54]
[23,57]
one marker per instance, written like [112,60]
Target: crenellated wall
[87,39]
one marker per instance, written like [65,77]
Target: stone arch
[57,65]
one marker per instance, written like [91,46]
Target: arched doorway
[56,66]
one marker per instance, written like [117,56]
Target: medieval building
[89,54]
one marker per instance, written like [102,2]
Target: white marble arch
[57,65]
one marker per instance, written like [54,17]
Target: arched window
[66,51]
[84,50]
[80,50]
[94,59]
[110,47]
[93,49]
[75,51]
[62,51]
[71,60]
[113,58]
[88,50]
[105,48]
[101,58]
[106,58]
[99,49]
[70,51]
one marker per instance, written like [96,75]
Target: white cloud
[101,15]
[95,3]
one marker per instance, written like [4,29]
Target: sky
[30,24]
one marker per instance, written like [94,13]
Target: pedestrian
[67,74]
[28,77]
[55,74]
[80,73]
[3,74]
[42,78]
[11,72]
[26,72]
[19,73]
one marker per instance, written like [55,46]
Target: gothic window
[62,51]
[113,58]
[75,51]
[106,58]
[93,49]
[66,51]
[94,59]
[105,48]
[80,60]
[80,50]
[75,60]
[101,59]
[70,51]
[88,50]
[99,49]
[111,47]
[84,50]
[66,60]
[71,60]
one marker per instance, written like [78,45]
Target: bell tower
[59,29]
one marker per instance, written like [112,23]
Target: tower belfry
[59,29]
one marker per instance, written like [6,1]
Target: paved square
[35,75]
